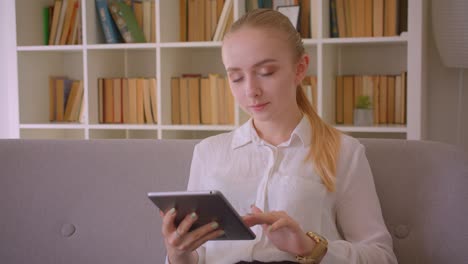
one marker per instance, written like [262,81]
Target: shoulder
[214,144]
[351,150]
[349,145]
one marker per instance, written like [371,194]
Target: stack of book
[62,23]
[129,21]
[387,94]
[306,7]
[368,18]
[65,99]
[205,20]
[201,100]
[127,100]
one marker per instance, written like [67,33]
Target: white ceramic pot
[363,117]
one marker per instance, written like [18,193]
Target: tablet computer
[209,206]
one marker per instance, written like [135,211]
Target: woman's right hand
[180,243]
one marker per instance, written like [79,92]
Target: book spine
[109,28]
[45,24]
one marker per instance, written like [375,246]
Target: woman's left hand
[283,231]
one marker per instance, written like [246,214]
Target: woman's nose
[252,88]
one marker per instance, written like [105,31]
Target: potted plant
[363,115]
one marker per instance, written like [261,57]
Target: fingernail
[270,229]
[172,211]
[221,232]
[214,225]
[193,215]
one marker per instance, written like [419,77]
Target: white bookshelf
[168,57]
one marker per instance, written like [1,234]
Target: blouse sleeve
[359,218]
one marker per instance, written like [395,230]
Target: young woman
[305,189]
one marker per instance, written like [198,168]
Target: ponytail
[325,144]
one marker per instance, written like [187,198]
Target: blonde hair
[326,139]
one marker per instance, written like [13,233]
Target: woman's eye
[266,73]
[238,79]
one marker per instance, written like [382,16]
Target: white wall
[8,96]
[443,102]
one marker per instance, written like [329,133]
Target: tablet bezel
[210,206]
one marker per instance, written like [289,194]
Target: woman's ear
[301,68]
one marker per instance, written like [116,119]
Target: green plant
[364,102]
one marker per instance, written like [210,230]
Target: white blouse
[248,170]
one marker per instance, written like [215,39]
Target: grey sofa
[85,201]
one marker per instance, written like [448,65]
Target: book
[341,17]
[126,22]
[391,18]
[214,98]
[132,101]
[175,101]
[45,24]
[348,100]
[55,21]
[339,100]
[147,102]
[117,91]
[61,20]
[108,96]
[101,100]
[140,107]
[205,101]
[194,100]
[74,102]
[111,33]
[184,100]
[220,27]
[383,82]
[70,14]
[390,99]
[333,20]
[378,18]
[153,98]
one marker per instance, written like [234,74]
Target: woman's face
[262,72]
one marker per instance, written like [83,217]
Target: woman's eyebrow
[231,69]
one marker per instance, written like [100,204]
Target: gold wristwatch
[318,252]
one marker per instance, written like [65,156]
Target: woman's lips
[258,107]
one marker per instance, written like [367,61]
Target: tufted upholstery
[85,201]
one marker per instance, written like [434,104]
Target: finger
[209,236]
[168,222]
[282,222]
[260,219]
[255,209]
[186,223]
[194,236]
[161,213]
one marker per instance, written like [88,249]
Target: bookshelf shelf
[376,40]
[52,126]
[198,127]
[51,48]
[133,46]
[374,129]
[167,57]
[201,44]
[125,126]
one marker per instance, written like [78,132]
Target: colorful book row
[386,93]
[65,99]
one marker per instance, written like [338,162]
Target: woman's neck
[276,132]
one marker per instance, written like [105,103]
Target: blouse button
[401,231]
